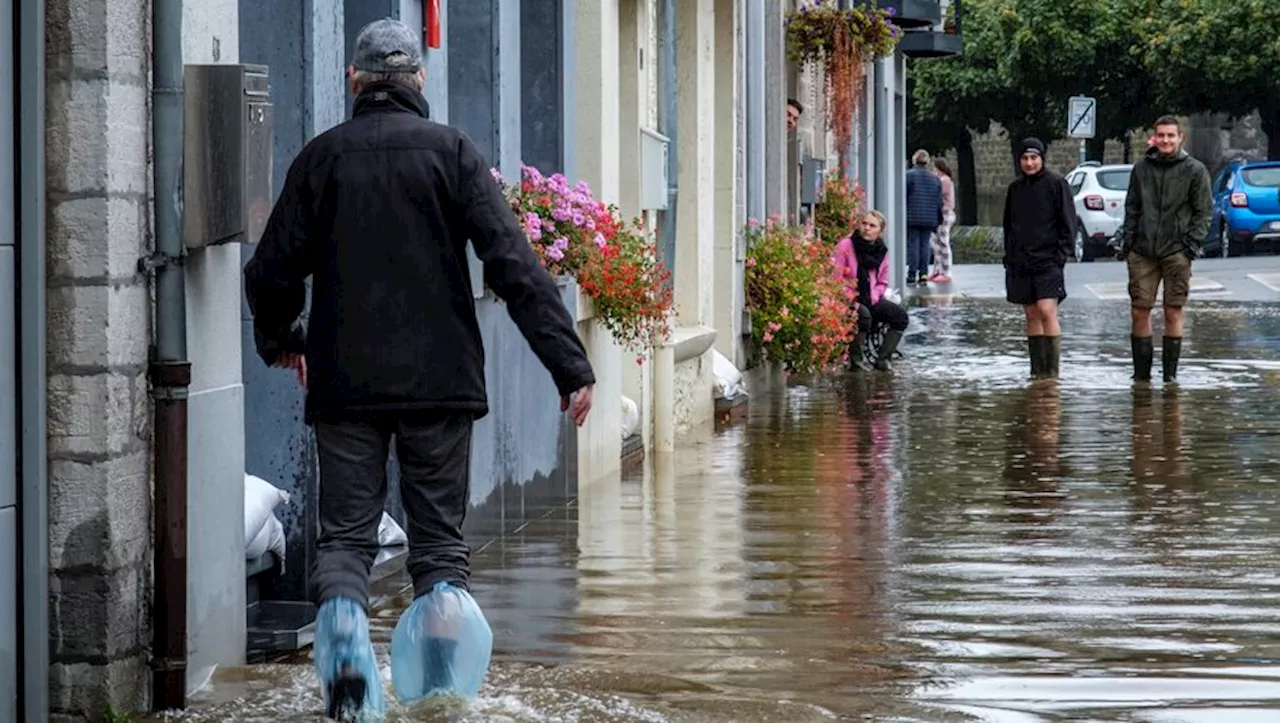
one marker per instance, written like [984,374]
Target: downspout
[664,356]
[169,370]
[755,105]
[34,496]
[667,126]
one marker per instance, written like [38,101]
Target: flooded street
[952,543]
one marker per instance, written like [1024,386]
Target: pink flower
[768,336]
[561,244]
[497,175]
[599,239]
[554,253]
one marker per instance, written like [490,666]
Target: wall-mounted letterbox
[812,175]
[226,154]
[653,170]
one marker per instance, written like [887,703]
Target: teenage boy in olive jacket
[1167,213]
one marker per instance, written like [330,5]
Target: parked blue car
[1246,209]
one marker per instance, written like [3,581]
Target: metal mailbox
[812,175]
[653,170]
[227,149]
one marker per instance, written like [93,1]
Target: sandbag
[726,379]
[390,533]
[260,500]
[630,417]
[441,646]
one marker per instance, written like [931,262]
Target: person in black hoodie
[378,212]
[1039,229]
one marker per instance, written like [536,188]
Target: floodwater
[952,543]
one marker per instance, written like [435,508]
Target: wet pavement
[949,543]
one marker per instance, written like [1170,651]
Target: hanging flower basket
[841,42]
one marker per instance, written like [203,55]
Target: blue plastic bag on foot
[441,646]
[345,662]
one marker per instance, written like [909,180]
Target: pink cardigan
[845,262]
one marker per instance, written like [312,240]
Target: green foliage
[111,715]
[801,315]
[811,30]
[1214,55]
[1140,58]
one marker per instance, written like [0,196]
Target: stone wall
[98,334]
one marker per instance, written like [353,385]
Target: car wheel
[1080,244]
[1224,245]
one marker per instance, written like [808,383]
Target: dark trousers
[434,452]
[918,250]
[883,312]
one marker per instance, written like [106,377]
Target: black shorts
[1025,287]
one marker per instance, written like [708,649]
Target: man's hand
[581,404]
[298,363]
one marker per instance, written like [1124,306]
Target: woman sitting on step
[862,263]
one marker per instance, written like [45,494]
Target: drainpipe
[34,496]
[169,370]
[755,121]
[664,355]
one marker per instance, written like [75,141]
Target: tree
[1029,56]
[1215,55]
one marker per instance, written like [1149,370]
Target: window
[1266,176]
[1117,180]
[1077,182]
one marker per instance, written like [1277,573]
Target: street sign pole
[1082,116]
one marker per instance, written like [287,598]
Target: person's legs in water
[1144,284]
[1176,272]
[442,644]
[857,351]
[1035,339]
[1051,340]
[889,313]
[353,461]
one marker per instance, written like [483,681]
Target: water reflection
[947,543]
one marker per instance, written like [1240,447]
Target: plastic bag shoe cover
[441,646]
[345,662]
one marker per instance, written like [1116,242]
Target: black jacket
[1168,207]
[924,198]
[378,212]
[1039,222]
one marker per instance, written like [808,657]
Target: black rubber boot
[1052,346]
[1169,359]
[1035,350]
[1143,356]
[858,356]
[891,339]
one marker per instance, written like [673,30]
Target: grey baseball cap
[387,46]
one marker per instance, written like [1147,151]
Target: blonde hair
[920,157]
[884,222]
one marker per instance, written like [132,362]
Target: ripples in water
[953,543]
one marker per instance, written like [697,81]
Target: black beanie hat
[1031,145]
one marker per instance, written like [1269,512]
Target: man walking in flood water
[1039,230]
[1166,215]
[378,212]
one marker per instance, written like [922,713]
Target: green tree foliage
[1140,58]
[1221,56]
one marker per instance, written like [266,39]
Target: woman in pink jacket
[862,263]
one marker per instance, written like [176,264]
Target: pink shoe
[935,277]
[941,279]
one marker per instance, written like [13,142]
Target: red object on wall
[431,13]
